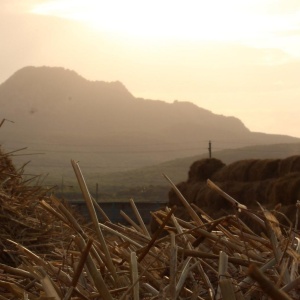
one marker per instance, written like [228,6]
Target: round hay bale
[248,170]
[287,189]
[268,182]
[236,171]
[289,164]
[263,169]
[203,169]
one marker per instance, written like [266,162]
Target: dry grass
[48,252]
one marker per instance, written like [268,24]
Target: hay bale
[286,189]
[236,171]
[289,165]
[203,169]
[269,182]
[22,219]
[248,170]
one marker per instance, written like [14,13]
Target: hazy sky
[233,57]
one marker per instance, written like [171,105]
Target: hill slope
[61,114]
[177,169]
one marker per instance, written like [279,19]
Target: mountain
[61,114]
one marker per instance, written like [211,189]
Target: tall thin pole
[209,149]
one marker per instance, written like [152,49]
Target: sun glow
[215,20]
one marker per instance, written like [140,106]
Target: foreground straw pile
[48,253]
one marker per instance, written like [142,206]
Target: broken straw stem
[89,203]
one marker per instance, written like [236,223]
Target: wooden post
[209,148]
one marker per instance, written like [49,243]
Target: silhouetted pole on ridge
[209,148]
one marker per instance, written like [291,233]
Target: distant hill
[59,113]
[177,170]
[148,184]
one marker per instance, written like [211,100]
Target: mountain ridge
[54,108]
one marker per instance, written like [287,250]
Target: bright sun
[231,20]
